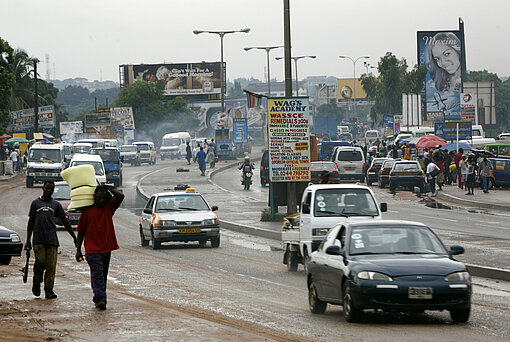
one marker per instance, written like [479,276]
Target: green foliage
[330,109]
[80,100]
[394,79]
[7,80]
[152,115]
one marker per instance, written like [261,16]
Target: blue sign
[224,147]
[240,130]
[448,130]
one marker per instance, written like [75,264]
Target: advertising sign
[98,124]
[346,91]
[122,116]
[468,107]
[71,127]
[178,79]
[448,130]
[22,120]
[441,53]
[224,147]
[387,124]
[240,130]
[288,123]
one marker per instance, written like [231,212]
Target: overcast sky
[93,37]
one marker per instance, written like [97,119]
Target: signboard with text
[22,120]
[288,129]
[468,107]
[240,130]
[448,130]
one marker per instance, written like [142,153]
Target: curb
[488,272]
[481,205]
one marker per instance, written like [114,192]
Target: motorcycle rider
[247,168]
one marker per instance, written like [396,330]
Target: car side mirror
[147,211]
[384,207]
[335,250]
[455,250]
[214,208]
[305,208]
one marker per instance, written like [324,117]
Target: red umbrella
[430,141]
[5,136]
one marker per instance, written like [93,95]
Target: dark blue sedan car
[396,266]
[10,245]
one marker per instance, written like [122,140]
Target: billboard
[411,110]
[24,119]
[288,123]
[347,90]
[240,130]
[210,116]
[71,127]
[178,79]
[122,116]
[448,130]
[441,52]
[468,107]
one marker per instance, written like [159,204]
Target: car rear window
[406,166]
[372,134]
[322,166]
[349,156]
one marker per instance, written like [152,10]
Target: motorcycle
[246,176]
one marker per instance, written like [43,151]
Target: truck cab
[323,206]
[112,164]
[45,162]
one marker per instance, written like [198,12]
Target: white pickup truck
[322,207]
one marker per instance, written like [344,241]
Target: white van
[341,130]
[371,136]
[173,145]
[91,159]
[95,142]
[111,143]
[350,161]
[422,131]
[147,151]
[82,148]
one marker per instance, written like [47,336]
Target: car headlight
[369,275]
[209,222]
[458,276]
[15,238]
[320,231]
[165,223]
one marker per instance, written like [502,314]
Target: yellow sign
[347,92]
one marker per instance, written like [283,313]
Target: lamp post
[222,77]
[295,63]
[354,77]
[267,48]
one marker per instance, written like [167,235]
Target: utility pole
[36,98]
[291,186]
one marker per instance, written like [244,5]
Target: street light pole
[295,63]
[222,34]
[267,49]
[354,78]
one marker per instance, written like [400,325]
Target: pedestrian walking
[463,167]
[432,172]
[96,229]
[457,159]
[485,167]
[188,152]
[41,224]
[470,183]
[14,157]
[3,155]
[210,157]
[201,159]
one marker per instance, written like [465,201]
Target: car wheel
[215,242]
[460,315]
[369,182]
[292,261]
[156,243]
[316,305]
[351,313]
[30,182]
[202,242]
[5,260]
[143,241]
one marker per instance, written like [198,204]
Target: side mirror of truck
[384,207]
[147,211]
[305,208]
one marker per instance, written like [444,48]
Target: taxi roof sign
[190,190]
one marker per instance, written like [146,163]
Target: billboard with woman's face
[441,52]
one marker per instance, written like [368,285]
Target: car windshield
[98,167]
[94,143]
[344,203]
[405,166]
[128,149]
[171,142]
[62,192]
[44,156]
[394,240]
[349,156]
[81,149]
[143,147]
[377,162]
[108,156]
[180,203]
[371,134]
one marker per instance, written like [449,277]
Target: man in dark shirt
[41,223]
[96,228]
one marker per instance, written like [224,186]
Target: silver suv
[350,162]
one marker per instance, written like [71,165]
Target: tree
[7,80]
[152,115]
[330,109]
[394,79]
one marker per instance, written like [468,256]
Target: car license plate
[350,168]
[420,292]
[189,230]
[406,174]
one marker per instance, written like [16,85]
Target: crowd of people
[203,154]
[19,159]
